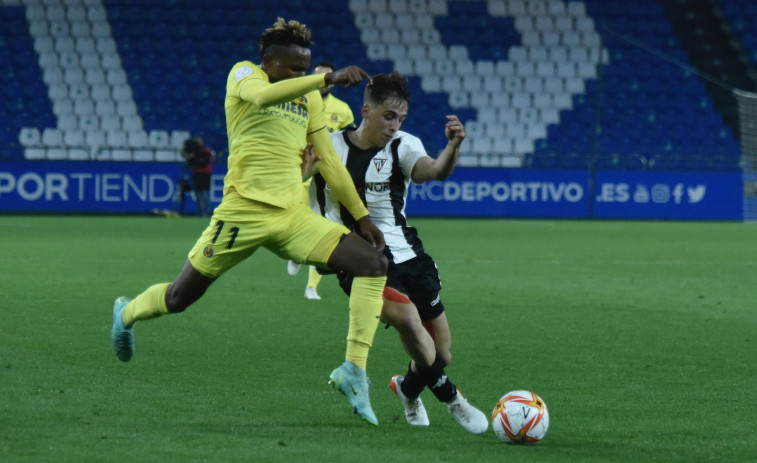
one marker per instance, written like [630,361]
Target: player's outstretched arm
[263,94]
[428,168]
[349,76]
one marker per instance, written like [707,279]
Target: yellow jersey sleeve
[335,173]
[267,127]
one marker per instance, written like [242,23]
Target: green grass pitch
[640,336]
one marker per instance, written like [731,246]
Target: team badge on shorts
[208,251]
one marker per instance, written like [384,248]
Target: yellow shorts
[240,226]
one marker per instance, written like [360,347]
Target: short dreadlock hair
[283,34]
[386,86]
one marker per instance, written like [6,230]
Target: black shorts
[418,278]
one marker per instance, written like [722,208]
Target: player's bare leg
[403,316]
[442,337]
[427,370]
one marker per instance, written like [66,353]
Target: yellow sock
[313,278]
[366,300]
[149,304]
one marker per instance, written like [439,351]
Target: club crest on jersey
[379,163]
[242,72]
[302,100]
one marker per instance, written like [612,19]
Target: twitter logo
[696,193]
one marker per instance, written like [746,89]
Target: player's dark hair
[284,34]
[386,86]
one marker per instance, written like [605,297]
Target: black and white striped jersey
[382,178]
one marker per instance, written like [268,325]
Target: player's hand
[454,130]
[371,233]
[309,162]
[349,76]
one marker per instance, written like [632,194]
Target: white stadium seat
[35,153]
[431,83]
[57,154]
[534,85]
[159,139]
[63,106]
[137,139]
[77,154]
[458,99]
[29,136]
[116,138]
[464,67]
[143,155]
[132,123]
[384,20]
[84,107]
[94,138]
[73,138]
[52,137]
[89,122]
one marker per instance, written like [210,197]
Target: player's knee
[446,357]
[177,302]
[403,317]
[375,265]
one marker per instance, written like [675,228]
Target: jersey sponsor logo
[291,111]
[377,187]
[298,109]
[378,163]
[242,72]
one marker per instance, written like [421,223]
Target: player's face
[286,62]
[382,121]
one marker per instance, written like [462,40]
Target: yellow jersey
[338,113]
[268,125]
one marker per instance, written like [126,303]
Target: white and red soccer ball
[520,417]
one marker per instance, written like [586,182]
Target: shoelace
[459,412]
[122,338]
[415,406]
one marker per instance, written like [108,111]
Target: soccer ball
[520,417]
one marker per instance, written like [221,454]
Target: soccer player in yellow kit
[273,111]
[338,116]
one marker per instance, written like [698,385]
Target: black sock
[437,380]
[412,385]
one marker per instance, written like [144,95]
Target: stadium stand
[547,84]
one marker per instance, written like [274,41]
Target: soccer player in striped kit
[382,160]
